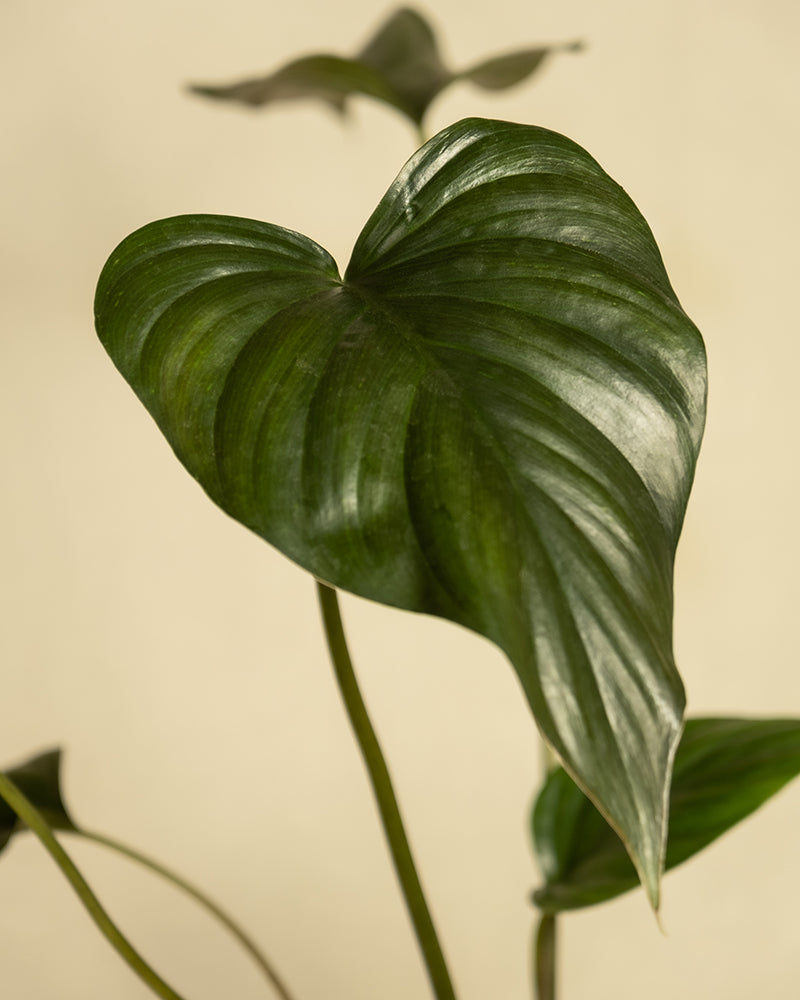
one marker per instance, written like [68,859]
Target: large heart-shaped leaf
[494,417]
[400,65]
[724,770]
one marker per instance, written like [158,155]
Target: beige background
[179,660]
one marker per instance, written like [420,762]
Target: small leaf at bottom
[724,770]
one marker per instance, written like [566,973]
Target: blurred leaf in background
[400,65]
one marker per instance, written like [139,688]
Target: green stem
[199,897]
[384,795]
[34,820]
[545,958]
[544,953]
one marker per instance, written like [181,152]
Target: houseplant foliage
[724,769]
[31,798]
[400,66]
[492,416]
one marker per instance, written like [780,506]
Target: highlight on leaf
[725,769]
[494,417]
[400,66]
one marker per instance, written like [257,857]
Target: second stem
[384,796]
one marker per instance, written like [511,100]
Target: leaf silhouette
[400,66]
[39,780]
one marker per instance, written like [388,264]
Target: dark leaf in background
[39,780]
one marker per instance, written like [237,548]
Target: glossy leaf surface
[494,417]
[39,780]
[724,770]
[400,66]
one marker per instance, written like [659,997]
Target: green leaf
[724,770]
[326,78]
[400,66]
[508,70]
[39,780]
[493,418]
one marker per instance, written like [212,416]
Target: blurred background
[179,660]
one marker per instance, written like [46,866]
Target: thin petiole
[545,958]
[384,795]
[35,822]
[203,900]
[545,941]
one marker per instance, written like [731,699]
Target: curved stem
[199,897]
[545,958]
[34,820]
[384,795]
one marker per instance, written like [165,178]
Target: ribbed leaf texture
[494,417]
